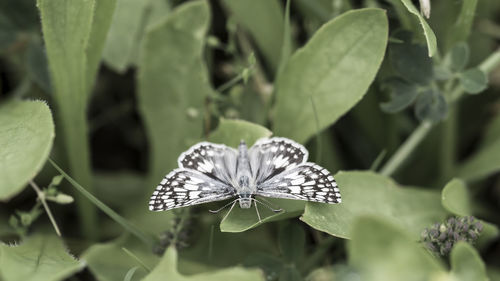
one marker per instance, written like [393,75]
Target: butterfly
[273,167]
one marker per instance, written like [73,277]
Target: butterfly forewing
[271,157]
[216,161]
[307,181]
[182,187]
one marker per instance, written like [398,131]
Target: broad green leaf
[109,262]
[240,220]
[473,80]
[74,36]
[264,21]
[128,26]
[367,193]
[455,198]
[430,37]
[403,94]
[39,257]
[124,33]
[168,267]
[172,60]
[466,264]
[292,242]
[460,31]
[333,70]
[382,251]
[26,137]
[457,58]
[231,132]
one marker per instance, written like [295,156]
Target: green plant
[98,99]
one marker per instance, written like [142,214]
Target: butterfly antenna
[277,209]
[267,206]
[223,207]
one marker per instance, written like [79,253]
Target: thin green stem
[41,197]
[448,145]
[406,148]
[488,65]
[147,239]
[318,140]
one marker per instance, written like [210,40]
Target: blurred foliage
[403,108]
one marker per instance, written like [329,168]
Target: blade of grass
[147,239]
[136,258]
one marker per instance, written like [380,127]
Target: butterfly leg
[274,210]
[257,210]
[223,207]
[269,205]
[230,209]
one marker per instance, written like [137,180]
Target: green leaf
[39,257]
[172,60]
[108,262]
[466,264]
[74,35]
[292,242]
[473,80]
[26,137]
[430,37]
[455,198]
[411,62]
[367,193]
[431,105]
[382,251]
[123,33]
[457,58]
[240,220]
[168,267]
[231,132]
[264,21]
[403,94]
[334,68]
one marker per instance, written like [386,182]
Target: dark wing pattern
[271,157]
[216,161]
[307,181]
[182,187]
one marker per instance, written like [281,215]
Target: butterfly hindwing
[183,187]
[307,181]
[273,156]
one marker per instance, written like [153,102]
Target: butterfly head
[245,200]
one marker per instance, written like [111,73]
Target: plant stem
[488,65]
[147,239]
[41,197]
[448,144]
[406,148]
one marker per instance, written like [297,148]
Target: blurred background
[120,134]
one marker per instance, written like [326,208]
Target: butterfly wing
[183,187]
[216,161]
[307,181]
[270,157]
